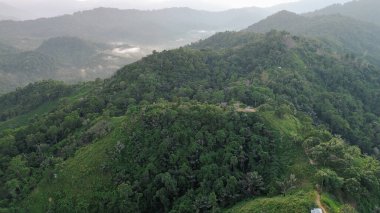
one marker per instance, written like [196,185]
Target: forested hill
[69,51]
[6,49]
[303,72]
[355,36]
[236,117]
[69,59]
[365,10]
[95,43]
[303,6]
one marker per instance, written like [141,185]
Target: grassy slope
[330,204]
[299,202]
[79,176]
[23,119]
[290,128]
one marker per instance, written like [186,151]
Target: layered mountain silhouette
[351,34]
[157,27]
[365,10]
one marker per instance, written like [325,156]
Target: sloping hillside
[165,133]
[355,36]
[365,10]
[69,51]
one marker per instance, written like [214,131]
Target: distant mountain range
[95,43]
[116,37]
[33,9]
[304,6]
[62,58]
[365,10]
[166,27]
[354,35]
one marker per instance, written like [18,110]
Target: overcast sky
[44,8]
[150,4]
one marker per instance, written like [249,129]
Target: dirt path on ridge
[319,203]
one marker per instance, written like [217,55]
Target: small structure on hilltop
[317,210]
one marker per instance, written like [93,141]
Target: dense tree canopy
[198,129]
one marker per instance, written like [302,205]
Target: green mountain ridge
[20,68]
[350,34]
[69,50]
[239,116]
[91,44]
[365,10]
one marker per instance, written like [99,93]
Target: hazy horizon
[48,8]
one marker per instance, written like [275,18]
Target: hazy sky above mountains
[46,8]
[150,4]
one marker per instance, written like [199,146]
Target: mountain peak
[285,13]
[276,21]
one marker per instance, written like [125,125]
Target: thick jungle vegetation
[225,124]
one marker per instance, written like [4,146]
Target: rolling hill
[132,38]
[304,6]
[69,59]
[94,44]
[259,120]
[69,51]
[239,117]
[355,36]
[165,28]
[365,10]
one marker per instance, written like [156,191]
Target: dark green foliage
[190,138]
[345,172]
[30,97]
[44,140]
[193,157]
[335,90]
[287,184]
